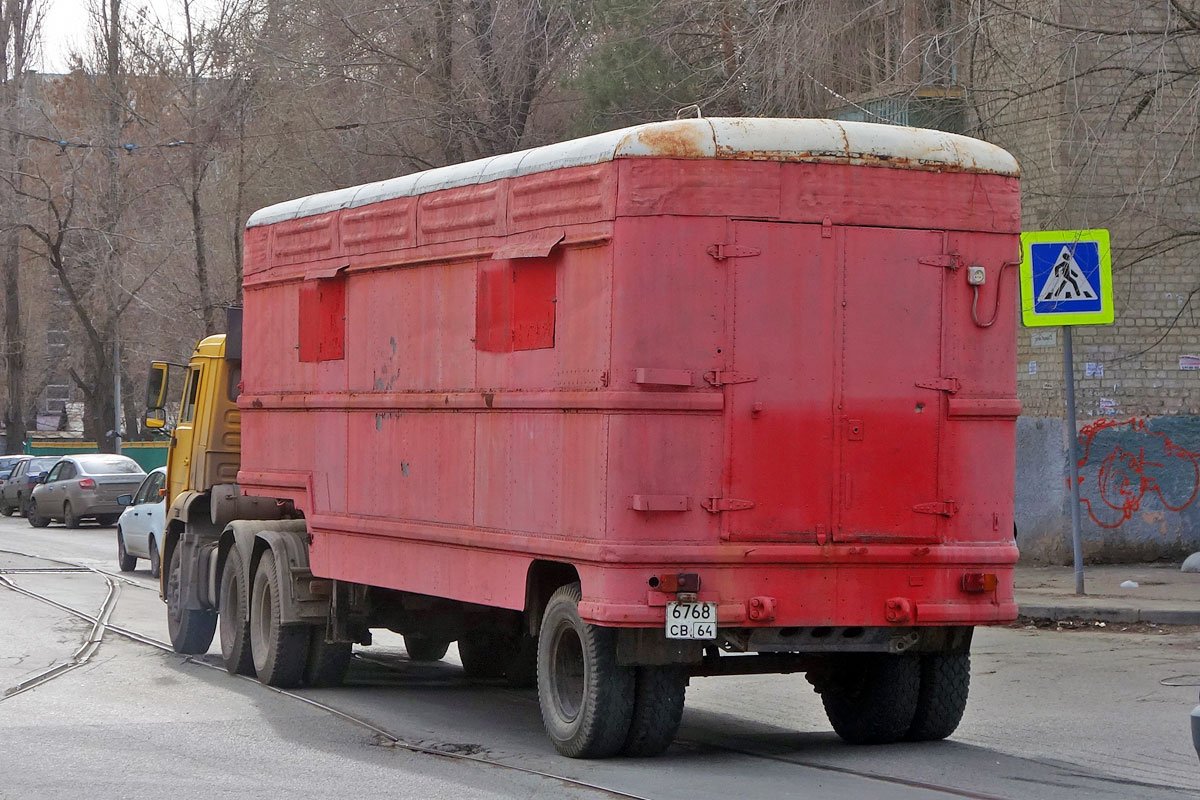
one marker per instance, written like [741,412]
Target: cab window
[190,392]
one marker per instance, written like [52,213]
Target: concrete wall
[1139,478]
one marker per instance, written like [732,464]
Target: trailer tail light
[980,582]
[87,483]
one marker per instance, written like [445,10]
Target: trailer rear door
[890,393]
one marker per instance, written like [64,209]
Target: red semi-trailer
[702,397]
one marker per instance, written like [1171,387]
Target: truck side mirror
[156,389]
[156,418]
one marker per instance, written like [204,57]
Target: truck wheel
[425,648]
[658,695]
[69,518]
[945,683]
[191,629]
[126,562]
[585,696]
[327,661]
[233,603]
[280,651]
[874,697]
[483,656]
[35,519]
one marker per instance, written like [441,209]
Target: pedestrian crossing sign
[1066,278]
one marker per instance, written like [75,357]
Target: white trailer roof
[744,138]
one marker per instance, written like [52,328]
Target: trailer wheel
[482,656]
[327,661]
[512,657]
[280,651]
[945,683]
[873,700]
[191,629]
[585,696]
[425,648]
[233,607]
[658,697]
[521,671]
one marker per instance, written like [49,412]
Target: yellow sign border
[1029,317]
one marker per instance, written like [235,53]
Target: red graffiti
[1116,490]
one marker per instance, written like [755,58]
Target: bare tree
[18,33]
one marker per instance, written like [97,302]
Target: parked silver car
[7,463]
[28,473]
[84,486]
[140,528]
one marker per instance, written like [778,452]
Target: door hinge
[946,508]
[715,505]
[718,377]
[948,261]
[729,250]
[940,385]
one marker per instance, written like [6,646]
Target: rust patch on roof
[682,139]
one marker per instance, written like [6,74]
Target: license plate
[691,620]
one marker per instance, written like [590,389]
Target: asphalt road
[1052,715]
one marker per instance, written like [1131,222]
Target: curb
[1160,616]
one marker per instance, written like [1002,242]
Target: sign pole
[1073,459]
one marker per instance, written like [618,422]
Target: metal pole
[117,389]
[1073,459]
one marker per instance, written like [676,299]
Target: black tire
[191,629]
[233,604]
[483,656]
[521,672]
[33,517]
[585,696]
[491,656]
[658,697]
[22,506]
[873,698]
[327,661]
[945,683]
[6,510]
[280,651]
[69,518]
[107,520]
[425,648]
[155,559]
[125,562]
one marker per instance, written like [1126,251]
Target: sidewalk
[1164,596]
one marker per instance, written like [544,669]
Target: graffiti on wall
[1123,463]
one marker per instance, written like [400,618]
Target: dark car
[84,487]
[7,463]
[15,492]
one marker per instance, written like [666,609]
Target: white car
[140,528]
